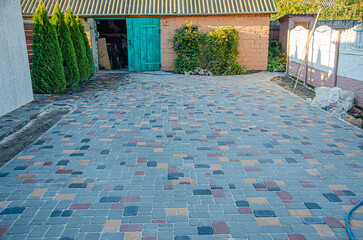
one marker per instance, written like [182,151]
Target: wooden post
[288,52]
[307,62]
[307,46]
[336,59]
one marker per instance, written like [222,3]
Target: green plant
[47,70]
[274,49]
[216,51]
[87,47]
[78,43]
[66,45]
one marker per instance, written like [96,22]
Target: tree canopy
[331,9]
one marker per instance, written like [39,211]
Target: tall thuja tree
[78,46]
[87,46]
[47,71]
[66,45]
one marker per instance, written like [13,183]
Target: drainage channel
[11,145]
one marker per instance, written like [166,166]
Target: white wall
[15,82]
[351,53]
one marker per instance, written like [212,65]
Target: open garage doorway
[112,44]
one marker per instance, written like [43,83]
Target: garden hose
[347,219]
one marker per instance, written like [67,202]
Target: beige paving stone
[224,148]
[162,166]
[250,180]
[112,226]
[182,211]
[357,210]
[39,192]
[300,213]
[249,162]
[354,223]
[25,176]
[78,180]
[257,200]
[180,155]
[338,187]
[216,167]
[64,196]
[268,221]
[223,159]
[188,164]
[244,146]
[133,236]
[84,162]
[171,211]
[159,150]
[324,231]
[4,204]
[26,157]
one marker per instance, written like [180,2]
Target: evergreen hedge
[47,70]
[78,43]
[87,47]
[215,51]
[66,45]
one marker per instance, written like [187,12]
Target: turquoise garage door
[143,36]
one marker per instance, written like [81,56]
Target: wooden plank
[130,35]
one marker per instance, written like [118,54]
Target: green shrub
[276,58]
[66,45]
[47,70]
[216,51]
[87,47]
[79,47]
[187,45]
[274,49]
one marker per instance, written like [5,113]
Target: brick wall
[253,29]
[29,38]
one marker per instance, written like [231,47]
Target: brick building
[136,35]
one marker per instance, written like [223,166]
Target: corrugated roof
[154,7]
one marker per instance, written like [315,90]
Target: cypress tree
[47,72]
[87,47]
[66,45]
[78,46]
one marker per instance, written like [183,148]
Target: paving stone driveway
[162,156]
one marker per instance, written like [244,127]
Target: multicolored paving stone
[162,156]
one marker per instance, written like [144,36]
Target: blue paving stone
[332,197]
[21,168]
[259,185]
[310,205]
[13,210]
[337,152]
[101,166]
[151,164]
[118,188]
[290,160]
[202,192]
[181,238]
[110,199]
[3,174]
[77,185]
[56,213]
[348,193]
[231,186]
[122,163]
[264,213]
[202,166]
[266,161]
[63,162]
[242,203]
[205,230]
[312,220]
[218,172]
[131,210]
[67,213]
[175,175]
[77,173]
